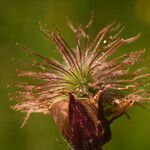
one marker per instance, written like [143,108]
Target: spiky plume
[84,72]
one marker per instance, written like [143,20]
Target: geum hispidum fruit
[86,92]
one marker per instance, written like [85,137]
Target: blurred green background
[19,22]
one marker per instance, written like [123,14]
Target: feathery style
[87,91]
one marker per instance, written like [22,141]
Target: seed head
[87,91]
